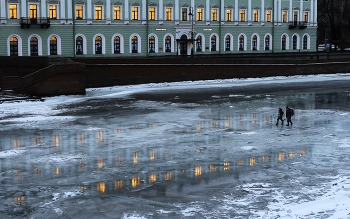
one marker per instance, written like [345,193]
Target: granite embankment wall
[110,72]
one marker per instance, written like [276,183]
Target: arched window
[295,42]
[199,44]
[151,42]
[284,39]
[168,44]
[134,44]
[33,46]
[13,46]
[98,45]
[305,42]
[227,43]
[267,43]
[241,43]
[116,46]
[79,45]
[53,45]
[213,43]
[255,43]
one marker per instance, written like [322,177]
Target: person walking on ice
[289,114]
[280,115]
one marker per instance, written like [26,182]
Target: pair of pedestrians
[289,114]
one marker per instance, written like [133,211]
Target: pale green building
[124,28]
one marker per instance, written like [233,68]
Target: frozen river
[208,149]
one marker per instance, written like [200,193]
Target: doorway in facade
[183,45]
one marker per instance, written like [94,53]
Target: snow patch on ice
[133,215]
[11,153]
[59,158]
[247,147]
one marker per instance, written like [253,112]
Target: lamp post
[191,14]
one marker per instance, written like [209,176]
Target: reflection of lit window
[213,124]
[281,156]
[19,200]
[199,126]
[152,178]
[252,161]
[83,187]
[37,171]
[254,116]
[152,155]
[136,157]
[118,130]
[212,168]
[168,176]
[198,171]
[82,138]
[253,121]
[56,139]
[302,152]
[57,171]
[100,162]
[135,181]
[291,154]
[101,187]
[227,124]
[241,123]
[267,118]
[100,135]
[18,175]
[240,162]
[82,165]
[265,158]
[17,143]
[119,159]
[118,184]
[36,141]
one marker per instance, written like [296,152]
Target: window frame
[242,15]
[228,15]
[117,12]
[214,14]
[268,15]
[199,14]
[135,13]
[256,15]
[152,14]
[55,10]
[284,16]
[13,11]
[78,10]
[168,13]
[98,16]
[184,14]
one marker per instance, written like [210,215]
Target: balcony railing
[43,22]
[295,24]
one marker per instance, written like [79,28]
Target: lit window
[184,14]
[116,12]
[306,16]
[228,15]
[284,16]
[33,11]
[214,14]
[256,16]
[168,14]
[13,46]
[79,12]
[152,13]
[13,11]
[53,11]
[242,15]
[200,14]
[135,13]
[53,45]
[268,16]
[98,12]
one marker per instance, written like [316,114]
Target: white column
[222,11]
[275,11]
[249,11]
[279,12]
[236,11]
[207,9]
[63,10]
[311,18]
[3,11]
[70,8]
[161,11]
[23,9]
[43,9]
[263,11]
[144,11]
[301,12]
[290,13]
[89,12]
[177,11]
[108,11]
[315,13]
[126,12]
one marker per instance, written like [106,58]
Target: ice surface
[204,149]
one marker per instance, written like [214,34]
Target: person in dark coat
[280,115]
[289,116]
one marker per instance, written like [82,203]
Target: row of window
[135,44]
[152,13]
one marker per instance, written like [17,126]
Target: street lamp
[192,40]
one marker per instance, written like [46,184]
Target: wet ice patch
[59,158]
[343,143]
[11,153]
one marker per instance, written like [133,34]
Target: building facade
[124,28]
